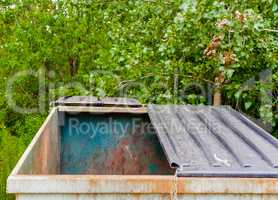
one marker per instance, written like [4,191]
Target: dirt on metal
[134,154]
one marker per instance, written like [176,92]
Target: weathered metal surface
[101,110]
[110,144]
[43,154]
[28,182]
[92,197]
[88,184]
[143,197]
[214,142]
[94,101]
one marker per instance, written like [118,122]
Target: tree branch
[271,30]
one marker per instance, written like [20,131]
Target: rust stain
[145,184]
[232,185]
[134,154]
[42,155]
[93,182]
[45,151]
[42,160]
[269,185]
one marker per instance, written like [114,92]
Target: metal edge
[32,144]
[99,102]
[118,184]
[95,109]
[172,158]
[228,174]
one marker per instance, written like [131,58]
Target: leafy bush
[8,157]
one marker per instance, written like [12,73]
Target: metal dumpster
[116,148]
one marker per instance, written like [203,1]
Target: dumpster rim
[138,184]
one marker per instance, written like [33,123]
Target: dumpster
[116,148]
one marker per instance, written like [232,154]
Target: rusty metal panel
[43,154]
[108,144]
[142,197]
[94,101]
[214,142]
[95,184]
[92,197]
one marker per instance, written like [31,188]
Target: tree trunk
[217,98]
[219,80]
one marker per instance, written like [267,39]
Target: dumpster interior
[110,144]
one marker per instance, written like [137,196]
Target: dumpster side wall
[144,197]
[43,154]
[140,185]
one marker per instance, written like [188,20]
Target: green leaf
[248,104]
[229,73]
[237,95]
[275,7]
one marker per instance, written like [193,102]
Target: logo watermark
[48,90]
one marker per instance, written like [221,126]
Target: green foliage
[13,146]
[8,157]
[175,51]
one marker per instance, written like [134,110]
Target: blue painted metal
[110,144]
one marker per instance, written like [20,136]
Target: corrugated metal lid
[94,101]
[214,141]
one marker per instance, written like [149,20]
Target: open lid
[214,141]
[95,101]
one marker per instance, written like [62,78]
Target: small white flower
[179,18]
[48,28]
[13,6]
[162,48]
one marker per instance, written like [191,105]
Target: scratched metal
[94,101]
[214,142]
[107,144]
[143,197]
[43,157]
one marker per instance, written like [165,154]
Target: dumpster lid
[95,101]
[214,141]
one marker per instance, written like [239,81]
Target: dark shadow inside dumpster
[111,144]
